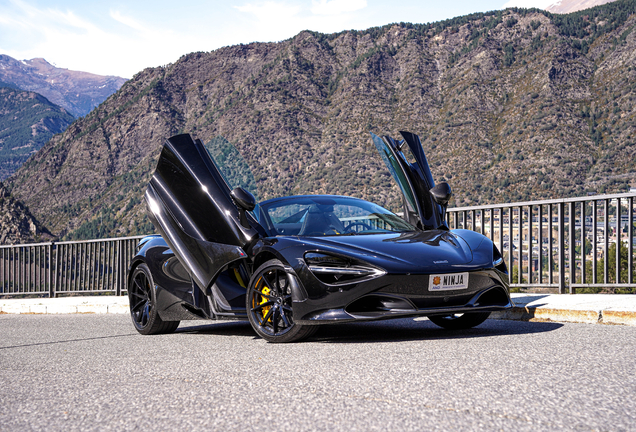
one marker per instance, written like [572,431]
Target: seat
[318,222]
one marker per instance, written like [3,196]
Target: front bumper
[397,296]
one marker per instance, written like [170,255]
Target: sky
[115,37]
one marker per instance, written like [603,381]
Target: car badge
[441,262]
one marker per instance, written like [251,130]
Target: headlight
[498,261]
[336,270]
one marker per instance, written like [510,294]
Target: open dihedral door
[413,176]
[190,204]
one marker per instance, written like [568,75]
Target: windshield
[329,216]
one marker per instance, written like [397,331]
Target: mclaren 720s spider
[291,264]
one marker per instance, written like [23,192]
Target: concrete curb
[616,309]
[564,315]
[66,305]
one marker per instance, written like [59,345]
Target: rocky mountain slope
[17,225]
[77,92]
[511,105]
[27,122]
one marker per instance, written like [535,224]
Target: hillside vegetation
[511,105]
[27,122]
[17,225]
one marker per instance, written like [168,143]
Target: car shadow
[222,328]
[405,329]
[418,329]
[525,299]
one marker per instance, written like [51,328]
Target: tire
[269,305]
[143,304]
[459,321]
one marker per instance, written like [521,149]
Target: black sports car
[290,264]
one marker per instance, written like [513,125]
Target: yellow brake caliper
[264,309]
[265,291]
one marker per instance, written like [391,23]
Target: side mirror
[245,201]
[442,193]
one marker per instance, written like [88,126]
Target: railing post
[594,240]
[501,248]
[571,248]
[56,250]
[118,278]
[49,267]
[520,249]
[530,226]
[510,251]
[540,243]
[630,246]
[561,248]
[618,240]
[606,241]
[550,245]
[583,242]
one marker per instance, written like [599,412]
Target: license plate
[447,282]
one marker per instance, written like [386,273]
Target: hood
[428,251]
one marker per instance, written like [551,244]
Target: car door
[191,205]
[409,167]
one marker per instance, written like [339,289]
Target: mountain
[511,105]
[17,225]
[77,92]
[27,122]
[569,6]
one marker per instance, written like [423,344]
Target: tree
[611,269]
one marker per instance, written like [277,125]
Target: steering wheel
[349,228]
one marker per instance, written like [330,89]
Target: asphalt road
[94,372]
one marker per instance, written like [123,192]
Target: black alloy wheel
[143,309]
[269,305]
[459,321]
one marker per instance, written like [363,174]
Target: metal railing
[561,244]
[584,243]
[49,269]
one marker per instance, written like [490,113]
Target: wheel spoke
[266,282]
[139,287]
[146,314]
[267,316]
[275,318]
[262,305]
[277,280]
[136,294]
[139,303]
[283,315]
[267,296]
[142,284]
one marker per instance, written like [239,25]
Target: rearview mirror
[442,193]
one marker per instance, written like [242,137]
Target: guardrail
[89,267]
[565,244]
